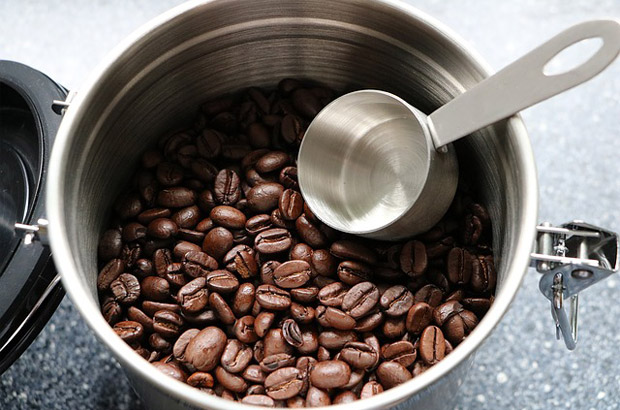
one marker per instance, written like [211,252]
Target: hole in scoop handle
[523,83]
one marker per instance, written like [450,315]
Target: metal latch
[32,233]
[60,106]
[572,257]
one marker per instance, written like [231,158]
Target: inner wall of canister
[19,167]
[157,85]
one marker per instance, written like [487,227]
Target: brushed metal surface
[154,80]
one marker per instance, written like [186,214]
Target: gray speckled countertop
[576,139]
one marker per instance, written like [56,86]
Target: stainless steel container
[154,80]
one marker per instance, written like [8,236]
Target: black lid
[30,289]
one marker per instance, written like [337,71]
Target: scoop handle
[523,83]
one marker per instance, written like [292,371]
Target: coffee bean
[291,204]
[236,356]
[359,355]
[180,346]
[347,249]
[209,143]
[302,314]
[317,398]
[111,310]
[243,299]
[391,374]
[446,310]
[228,217]
[253,373]
[244,329]
[284,383]
[336,339]
[176,197]
[345,397]
[110,272]
[292,274]
[413,259]
[309,232]
[276,361]
[171,371]
[266,272]
[128,206]
[155,288]
[292,333]
[292,129]
[129,331]
[258,400]
[483,276]
[263,323]
[459,266]
[305,295]
[187,217]
[198,264]
[273,298]
[133,231]
[227,189]
[323,263]
[397,300]
[264,197]
[230,381]
[223,312]
[369,322]
[273,241]
[150,307]
[372,388]
[272,161]
[352,273]
[126,288]
[241,260]
[330,374]
[200,379]
[430,294]
[419,317]
[193,297]
[258,223]
[162,228]
[218,241]
[394,327]
[477,305]
[432,345]
[288,178]
[338,319]
[333,294]
[205,349]
[402,352]
[360,299]
[110,245]
[167,323]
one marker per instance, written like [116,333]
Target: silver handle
[523,83]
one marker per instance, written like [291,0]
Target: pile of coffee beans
[216,271]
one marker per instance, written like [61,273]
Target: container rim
[90,312]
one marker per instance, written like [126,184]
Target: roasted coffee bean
[129,331]
[206,202]
[200,379]
[264,197]
[439,248]
[272,161]
[292,129]
[161,259]
[391,374]
[446,310]
[176,197]
[430,294]
[301,252]
[158,343]
[360,299]
[276,343]
[230,381]
[483,276]
[167,323]
[396,301]
[277,361]
[241,260]
[359,355]
[205,349]
[334,294]
[187,217]
[369,322]
[128,206]
[323,263]
[419,317]
[310,340]
[284,383]
[352,273]
[345,397]
[266,272]
[198,264]
[253,373]
[288,178]
[218,241]
[402,352]
[110,245]
[302,314]
[133,231]
[477,305]
[317,397]
[125,288]
[330,374]
[193,297]
[292,274]
[413,259]
[150,307]
[372,388]
[292,333]
[174,275]
[111,310]
[336,339]
[459,266]
[258,223]
[171,370]
[310,232]
[183,247]
[236,356]
[258,400]
[227,187]
[180,346]
[394,327]
[155,288]
[244,299]
[305,295]
[338,319]
[244,329]
[273,241]
[291,204]
[228,217]
[110,272]
[169,174]
[263,323]
[223,312]
[432,345]
[273,298]
[209,143]
[347,249]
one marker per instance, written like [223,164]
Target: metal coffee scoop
[372,165]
